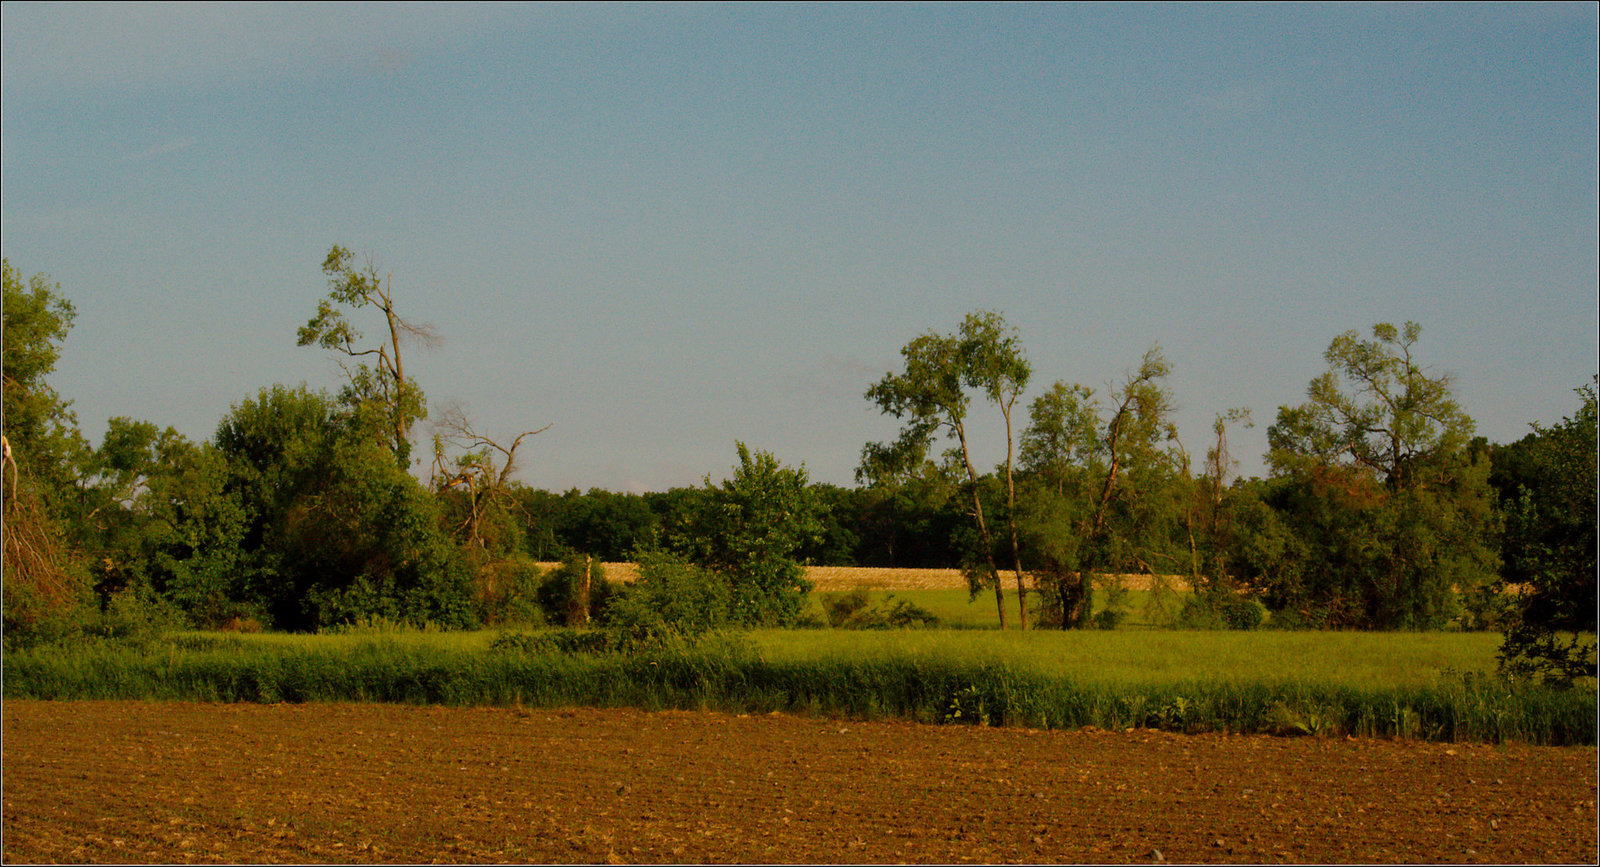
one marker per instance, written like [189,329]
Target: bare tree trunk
[583,587]
[1011,521]
[983,529]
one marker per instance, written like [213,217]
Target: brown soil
[142,781]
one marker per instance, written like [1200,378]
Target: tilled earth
[163,782]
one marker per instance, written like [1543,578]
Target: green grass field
[1435,686]
[1144,657]
[957,609]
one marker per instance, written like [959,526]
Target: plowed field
[137,781]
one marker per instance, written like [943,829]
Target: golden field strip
[836,578]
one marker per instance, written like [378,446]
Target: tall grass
[1143,657]
[958,609]
[1042,681]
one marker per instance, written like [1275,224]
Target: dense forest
[1381,509]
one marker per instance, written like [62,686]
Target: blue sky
[665,228]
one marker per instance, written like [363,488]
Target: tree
[1104,494]
[930,395]
[335,530]
[749,530]
[1214,536]
[909,515]
[484,487]
[39,425]
[1385,489]
[43,579]
[383,387]
[996,364]
[1547,491]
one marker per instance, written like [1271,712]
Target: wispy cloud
[129,46]
[171,147]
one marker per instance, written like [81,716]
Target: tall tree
[1384,486]
[1105,496]
[381,387]
[335,530]
[43,580]
[930,396]
[39,424]
[1547,494]
[995,363]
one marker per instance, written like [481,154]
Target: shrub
[1219,611]
[852,611]
[840,607]
[507,593]
[1109,618]
[575,592]
[670,597]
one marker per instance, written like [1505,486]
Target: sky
[662,229]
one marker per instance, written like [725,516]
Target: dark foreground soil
[136,781]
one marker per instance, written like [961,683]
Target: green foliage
[1383,498]
[335,530]
[380,390]
[840,607]
[1547,485]
[39,425]
[575,592]
[1220,611]
[930,396]
[737,674]
[1108,618]
[670,597]
[1104,492]
[507,593]
[852,610]
[749,530]
[46,582]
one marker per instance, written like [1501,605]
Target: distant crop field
[826,578]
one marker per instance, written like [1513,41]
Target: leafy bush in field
[851,610]
[1109,618]
[575,592]
[670,597]
[840,607]
[1219,611]
[749,529]
[336,529]
[507,593]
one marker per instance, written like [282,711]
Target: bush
[1219,611]
[670,597]
[1109,618]
[575,592]
[852,611]
[507,593]
[840,607]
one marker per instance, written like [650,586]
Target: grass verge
[741,673]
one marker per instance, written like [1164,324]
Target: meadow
[1432,686]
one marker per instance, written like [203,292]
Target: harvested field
[832,578]
[167,782]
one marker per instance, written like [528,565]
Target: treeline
[909,529]
[1382,509]
[302,512]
